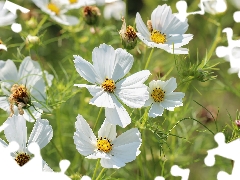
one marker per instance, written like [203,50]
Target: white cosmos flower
[16,130]
[114,151]
[213,6]
[164,31]
[161,96]
[57,9]
[24,90]
[106,73]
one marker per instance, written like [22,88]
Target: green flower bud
[91,15]
[128,36]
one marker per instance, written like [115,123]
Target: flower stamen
[109,85]
[104,144]
[158,94]
[19,97]
[158,37]
[22,158]
[52,7]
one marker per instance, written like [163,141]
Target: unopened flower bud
[91,14]
[128,36]
[237,123]
[32,23]
[32,39]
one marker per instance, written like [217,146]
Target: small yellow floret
[73,1]
[104,144]
[53,8]
[158,37]
[158,95]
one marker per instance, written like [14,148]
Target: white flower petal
[84,139]
[103,58]
[128,137]
[132,91]
[103,99]
[164,21]
[4,104]
[155,110]
[8,71]
[123,63]
[107,130]
[29,71]
[16,131]
[65,19]
[171,104]
[141,27]
[178,40]
[112,163]
[3,47]
[177,50]
[174,96]
[41,133]
[46,168]
[16,27]
[127,152]
[98,154]
[32,113]
[148,102]
[118,115]
[170,85]
[85,69]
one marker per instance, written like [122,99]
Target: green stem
[215,42]
[31,114]
[99,113]
[95,170]
[40,25]
[149,58]
[100,174]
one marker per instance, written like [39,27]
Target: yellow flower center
[158,94]
[53,8]
[104,144]
[19,97]
[73,1]
[158,37]
[109,85]
[22,159]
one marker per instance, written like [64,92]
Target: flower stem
[100,174]
[215,42]
[99,113]
[40,25]
[95,170]
[148,60]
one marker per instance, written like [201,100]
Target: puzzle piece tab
[227,150]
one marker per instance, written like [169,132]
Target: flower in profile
[91,14]
[24,90]
[164,31]
[16,130]
[161,96]
[106,73]
[128,36]
[213,6]
[114,151]
[57,9]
